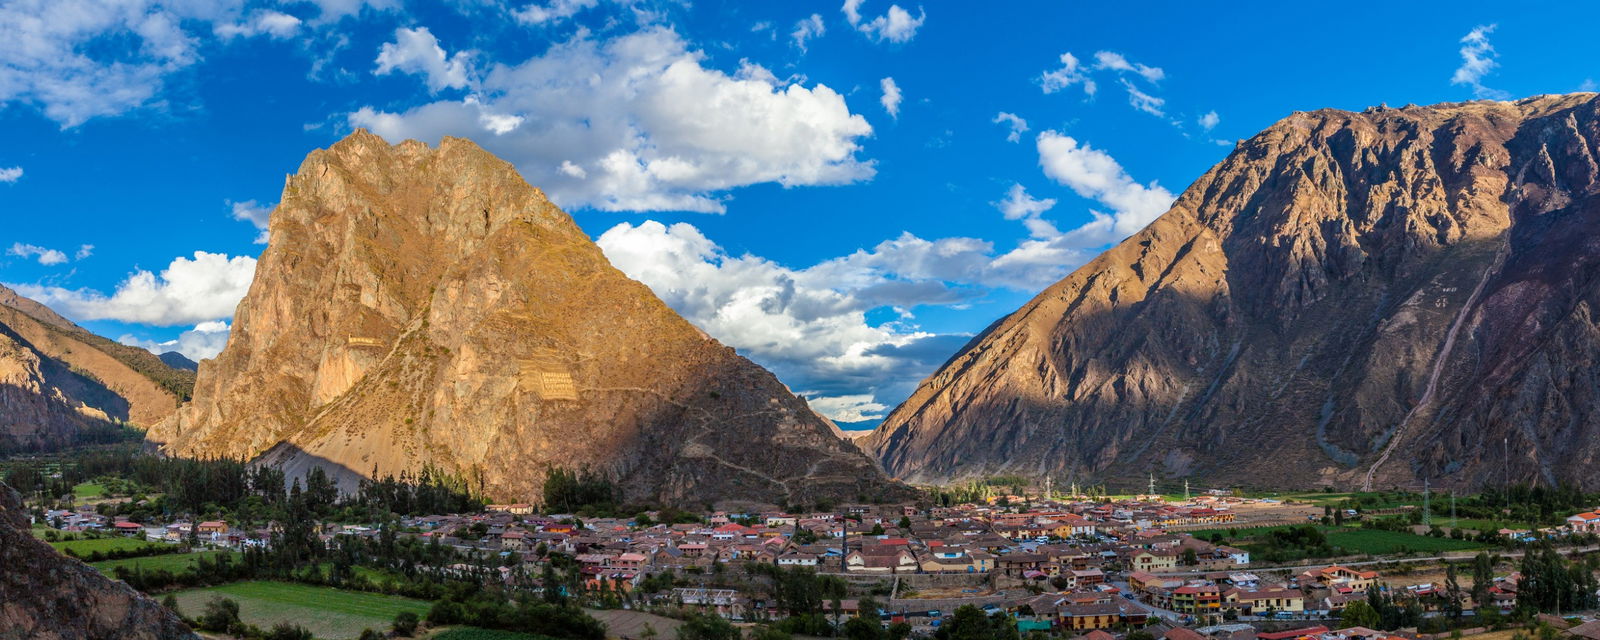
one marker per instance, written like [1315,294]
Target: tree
[221,615]
[905,522]
[770,633]
[877,530]
[1140,634]
[405,624]
[1452,592]
[702,626]
[970,623]
[1190,557]
[1359,614]
[286,631]
[171,603]
[372,634]
[1482,578]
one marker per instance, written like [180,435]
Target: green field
[86,546]
[174,562]
[474,633]
[330,614]
[88,491]
[1375,542]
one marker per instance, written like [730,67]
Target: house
[1586,522]
[1089,616]
[212,527]
[881,559]
[1197,599]
[1340,578]
[128,528]
[1152,561]
[1257,602]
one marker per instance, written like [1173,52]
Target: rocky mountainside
[422,306]
[59,382]
[1349,299]
[47,596]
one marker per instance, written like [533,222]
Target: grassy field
[84,547]
[174,562]
[1374,542]
[474,633]
[330,614]
[1250,533]
[88,491]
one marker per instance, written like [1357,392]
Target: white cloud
[895,26]
[263,22]
[1209,120]
[45,256]
[1588,84]
[1114,61]
[257,215]
[417,51]
[188,291]
[1477,61]
[555,11]
[1071,72]
[848,408]
[1094,174]
[204,341]
[84,251]
[335,10]
[650,127]
[891,97]
[1143,101]
[12,174]
[80,59]
[1018,205]
[1016,123]
[807,29]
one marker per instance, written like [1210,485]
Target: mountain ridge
[1280,323]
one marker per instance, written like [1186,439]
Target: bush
[405,624]
[286,631]
[707,627]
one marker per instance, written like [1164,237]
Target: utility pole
[1452,508]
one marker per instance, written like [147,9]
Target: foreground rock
[47,596]
[426,307]
[1350,299]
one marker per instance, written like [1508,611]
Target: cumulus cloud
[12,174]
[189,291]
[1094,174]
[638,123]
[849,408]
[80,59]
[1018,205]
[555,11]
[808,325]
[1071,73]
[807,29]
[335,10]
[257,215]
[416,51]
[896,25]
[84,251]
[1478,59]
[1209,120]
[891,97]
[267,22]
[204,341]
[1016,123]
[45,256]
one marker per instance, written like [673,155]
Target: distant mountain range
[1348,299]
[60,384]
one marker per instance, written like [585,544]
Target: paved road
[1464,555]
[1152,609]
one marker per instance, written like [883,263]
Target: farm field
[330,614]
[174,562]
[87,546]
[88,491]
[474,633]
[1376,542]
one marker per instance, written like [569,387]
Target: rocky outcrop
[421,306]
[1349,299]
[47,596]
[58,381]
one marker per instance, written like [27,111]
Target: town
[1011,560]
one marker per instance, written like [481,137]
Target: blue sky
[845,193]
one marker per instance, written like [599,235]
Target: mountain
[178,361]
[1348,299]
[60,384]
[425,307]
[44,594]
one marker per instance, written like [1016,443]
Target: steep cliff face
[427,307]
[1349,299]
[58,381]
[47,596]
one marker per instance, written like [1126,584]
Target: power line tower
[1185,489]
[1452,508]
[1427,495]
[1152,490]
